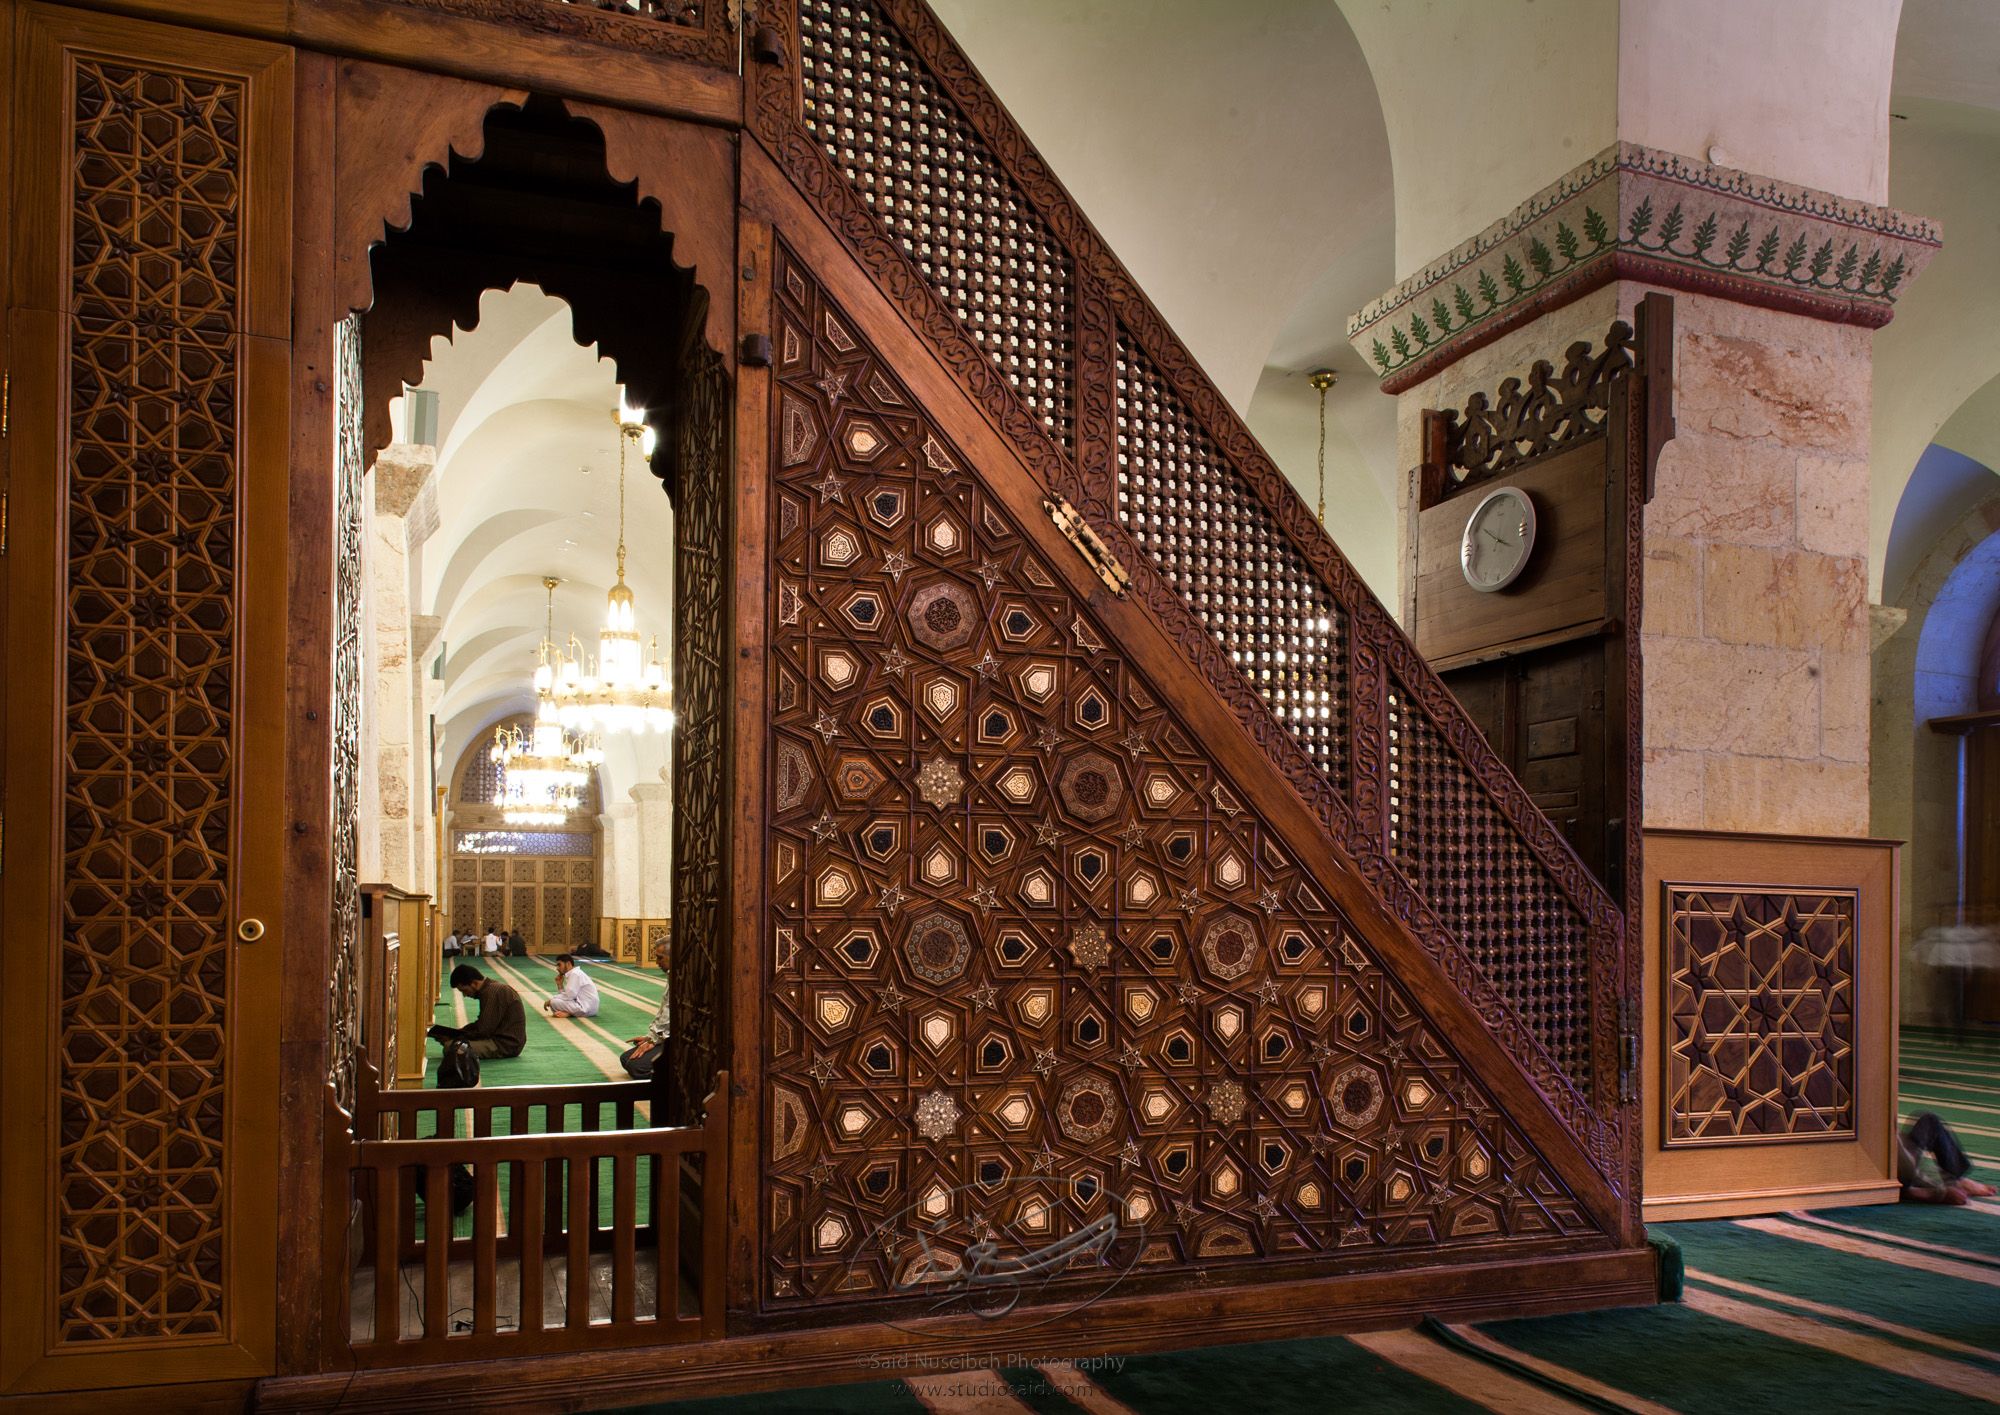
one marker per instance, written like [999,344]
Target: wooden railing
[559,1238]
[480,1111]
[879,120]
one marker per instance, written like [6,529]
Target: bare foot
[1973,1189]
[1926,1194]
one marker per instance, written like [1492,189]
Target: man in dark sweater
[501,1028]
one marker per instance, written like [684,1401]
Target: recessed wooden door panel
[145,654]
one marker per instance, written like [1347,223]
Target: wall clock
[1499,537]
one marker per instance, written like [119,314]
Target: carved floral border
[1635,212]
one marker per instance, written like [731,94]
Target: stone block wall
[1756,595]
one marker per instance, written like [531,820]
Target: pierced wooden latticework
[1033,961]
[931,179]
[140,1056]
[343,1035]
[1760,1022]
[1219,548]
[1490,890]
[703,556]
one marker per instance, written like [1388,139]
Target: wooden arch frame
[364,135]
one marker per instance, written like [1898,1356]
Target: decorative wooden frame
[1750,1174]
[1690,1051]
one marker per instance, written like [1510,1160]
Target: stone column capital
[400,471]
[647,791]
[1671,222]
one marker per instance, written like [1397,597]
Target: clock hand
[1490,536]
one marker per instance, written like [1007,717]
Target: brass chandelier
[625,688]
[543,772]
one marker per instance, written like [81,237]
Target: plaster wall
[1537,81]
[1938,361]
[1696,75]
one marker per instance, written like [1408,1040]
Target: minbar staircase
[1436,864]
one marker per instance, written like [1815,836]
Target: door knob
[250,930]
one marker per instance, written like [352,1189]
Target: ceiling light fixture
[625,689]
[1322,379]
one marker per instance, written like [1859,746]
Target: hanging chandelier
[541,782]
[625,689]
[543,772]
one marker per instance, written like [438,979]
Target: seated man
[644,1053]
[501,1028]
[517,946]
[576,994]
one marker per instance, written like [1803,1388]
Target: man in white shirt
[492,939]
[576,994]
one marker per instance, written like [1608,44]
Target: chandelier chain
[1322,379]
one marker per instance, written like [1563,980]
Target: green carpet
[573,1050]
[1892,1308]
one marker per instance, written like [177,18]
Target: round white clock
[1499,537]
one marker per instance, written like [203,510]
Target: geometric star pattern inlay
[149,725]
[1760,1014]
[1106,981]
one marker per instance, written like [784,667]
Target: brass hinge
[3,520]
[1628,1054]
[1070,522]
[6,399]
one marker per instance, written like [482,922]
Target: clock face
[1499,537]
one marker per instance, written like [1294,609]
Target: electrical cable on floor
[1445,1336]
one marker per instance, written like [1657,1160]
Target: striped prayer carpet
[1888,1308]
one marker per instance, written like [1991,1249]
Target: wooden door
[145,656]
[1544,713]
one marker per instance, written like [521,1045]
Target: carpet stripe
[1081,1391]
[967,1393]
[1945,1267]
[1883,1355]
[1900,1240]
[1843,1314]
[1495,1389]
[1947,1102]
[1983,1131]
[1589,1385]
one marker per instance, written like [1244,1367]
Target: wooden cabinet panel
[1563,585]
[145,639]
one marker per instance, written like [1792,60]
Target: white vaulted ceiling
[526,485]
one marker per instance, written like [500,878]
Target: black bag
[459,1067]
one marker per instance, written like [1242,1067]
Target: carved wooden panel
[349,526]
[700,30]
[1760,1019]
[1519,424]
[1023,926]
[149,713]
[703,557]
[1203,466]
